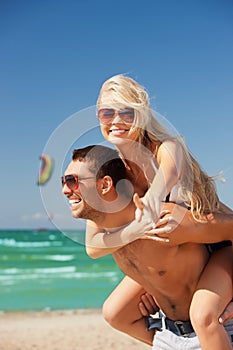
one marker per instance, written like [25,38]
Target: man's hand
[227,314]
[147,306]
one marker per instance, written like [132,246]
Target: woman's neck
[133,150]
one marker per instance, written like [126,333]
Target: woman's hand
[161,233]
[152,207]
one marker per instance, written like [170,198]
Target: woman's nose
[116,119]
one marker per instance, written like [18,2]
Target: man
[168,272]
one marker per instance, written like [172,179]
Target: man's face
[84,199]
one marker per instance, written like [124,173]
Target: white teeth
[74,201]
[118,132]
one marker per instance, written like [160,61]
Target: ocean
[46,270]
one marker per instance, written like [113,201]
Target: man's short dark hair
[103,161]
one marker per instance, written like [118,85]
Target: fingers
[164,221]
[138,202]
[139,207]
[164,212]
[161,232]
[227,314]
[138,215]
[147,306]
[143,310]
[157,239]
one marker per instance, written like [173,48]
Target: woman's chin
[118,140]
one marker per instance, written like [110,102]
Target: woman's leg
[121,310]
[214,292]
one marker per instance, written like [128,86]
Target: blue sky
[55,56]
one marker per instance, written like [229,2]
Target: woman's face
[115,121]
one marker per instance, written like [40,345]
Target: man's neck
[110,220]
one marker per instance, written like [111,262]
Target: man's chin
[76,215]
[80,215]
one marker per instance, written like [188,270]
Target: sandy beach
[62,330]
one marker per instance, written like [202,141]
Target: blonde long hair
[197,190]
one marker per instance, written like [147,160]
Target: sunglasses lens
[127,115]
[105,115]
[71,181]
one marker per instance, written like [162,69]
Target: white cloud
[35,216]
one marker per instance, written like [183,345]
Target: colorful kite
[45,170]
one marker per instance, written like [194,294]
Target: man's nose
[66,189]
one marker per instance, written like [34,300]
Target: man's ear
[106,184]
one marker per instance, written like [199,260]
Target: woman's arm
[95,241]
[184,229]
[100,241]
[170,159]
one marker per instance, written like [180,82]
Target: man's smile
[75,202]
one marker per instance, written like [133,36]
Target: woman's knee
[202,317]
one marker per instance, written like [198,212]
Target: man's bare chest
[160,264]
[145,258]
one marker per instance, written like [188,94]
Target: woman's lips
[118,132]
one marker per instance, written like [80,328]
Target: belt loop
[163,318]
[180,327]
